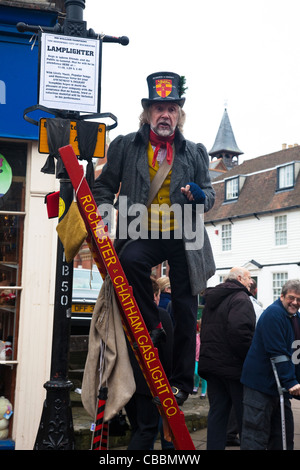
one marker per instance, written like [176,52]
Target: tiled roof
[258,194]
[217,167]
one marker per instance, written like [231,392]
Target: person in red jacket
[227,329]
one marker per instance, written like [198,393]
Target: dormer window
[233,187]
[287,175]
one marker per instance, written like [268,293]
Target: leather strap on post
[62,114]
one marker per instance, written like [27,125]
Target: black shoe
[180,395]
[158,336]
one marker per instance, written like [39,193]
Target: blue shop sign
[19,74]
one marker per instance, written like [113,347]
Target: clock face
[5,175]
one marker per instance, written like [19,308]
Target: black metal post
[56,426]
[74,9]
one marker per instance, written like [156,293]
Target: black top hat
[164,87]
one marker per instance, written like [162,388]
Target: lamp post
[56,425]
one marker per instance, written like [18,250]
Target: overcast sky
[245,54]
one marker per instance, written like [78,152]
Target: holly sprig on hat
[181,87]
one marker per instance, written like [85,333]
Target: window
[13,159]
[232,189]
[279,279]
[164,268]
[12,213]
[281,230]
[285,176]
[226,237]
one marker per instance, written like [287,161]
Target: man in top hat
[153,170]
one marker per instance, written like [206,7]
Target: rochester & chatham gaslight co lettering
[129,307]
[99,230]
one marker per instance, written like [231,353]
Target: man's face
[246,280]
[157,297]
[164,118]
[291,302]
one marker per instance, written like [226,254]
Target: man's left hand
[193,193]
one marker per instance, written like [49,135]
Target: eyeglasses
[292,298]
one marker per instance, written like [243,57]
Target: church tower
[225,146]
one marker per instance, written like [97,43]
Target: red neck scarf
[162,142]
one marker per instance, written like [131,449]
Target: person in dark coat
[172,228]
[165,291]
[277,336]
[227,328]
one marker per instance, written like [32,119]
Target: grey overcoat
[127,172]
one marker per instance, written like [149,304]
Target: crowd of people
[234,345]
[235,341]
[238,342]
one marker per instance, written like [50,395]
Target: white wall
[254,239]
[37,299]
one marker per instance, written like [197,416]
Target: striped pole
[100,441]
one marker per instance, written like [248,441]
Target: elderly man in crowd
[227,328]
[277,329]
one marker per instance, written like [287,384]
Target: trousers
[138,258]
[262,422]
[144,419]
[223,395]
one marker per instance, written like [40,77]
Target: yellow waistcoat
[159,218]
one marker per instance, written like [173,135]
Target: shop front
[28,239]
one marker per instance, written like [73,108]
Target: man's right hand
[295,390]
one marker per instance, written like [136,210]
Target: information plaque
[69,72]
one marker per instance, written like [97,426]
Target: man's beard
[163,132]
